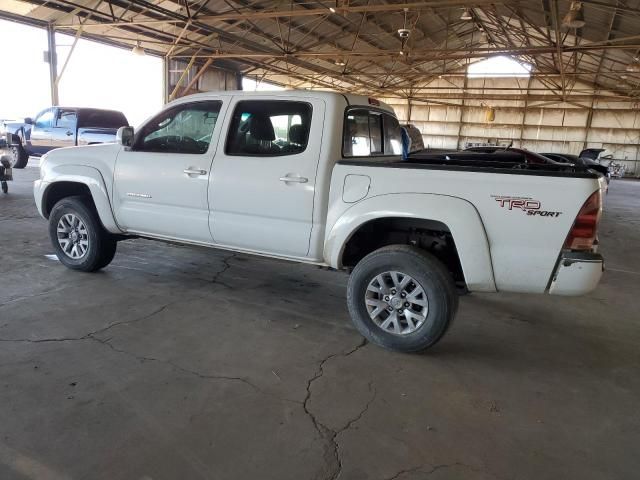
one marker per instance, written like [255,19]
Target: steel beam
[53,64]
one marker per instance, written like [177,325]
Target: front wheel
[19,157]
[78,237]
[401,298]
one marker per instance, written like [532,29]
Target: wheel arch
[70,180]
[428,215]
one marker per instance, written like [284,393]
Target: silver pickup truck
[58,127]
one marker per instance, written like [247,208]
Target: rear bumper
[577,273]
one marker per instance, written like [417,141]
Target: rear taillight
[584,232]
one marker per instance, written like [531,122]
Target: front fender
[89,176]
[460,216]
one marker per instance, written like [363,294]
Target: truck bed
[524,247]
[462,161]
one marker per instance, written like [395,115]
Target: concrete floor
[187,363]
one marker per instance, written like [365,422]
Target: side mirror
[125,136]
[28,120]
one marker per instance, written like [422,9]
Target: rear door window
[269,128]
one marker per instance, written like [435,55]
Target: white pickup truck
[318,177]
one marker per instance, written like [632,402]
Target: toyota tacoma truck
[58,127]
[318,177]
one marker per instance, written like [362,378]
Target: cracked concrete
[180,362]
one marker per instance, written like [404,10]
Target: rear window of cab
[370,133]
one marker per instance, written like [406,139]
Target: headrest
[261,128]
[298,134]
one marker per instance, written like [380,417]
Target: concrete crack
[404,472]
[90,335]
[434,468]
[323,430]
[38,294]
[364,410]
[225,266]
[107,342]
[203,376]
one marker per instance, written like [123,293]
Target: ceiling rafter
[354,45]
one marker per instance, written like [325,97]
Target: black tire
[101,245]
[428,273]
[19,157]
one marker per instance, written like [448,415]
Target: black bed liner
[462,161]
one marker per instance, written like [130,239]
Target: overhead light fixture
[401,52]
[332,10]
[634,67]
[138,50]
[404,33]
[340,62]
[574,17]
[466,15]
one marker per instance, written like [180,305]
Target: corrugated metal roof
[354,45]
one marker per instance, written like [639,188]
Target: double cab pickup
[58,127]
[320,178]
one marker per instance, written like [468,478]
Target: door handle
[288,179]
[194,171]
[69,133]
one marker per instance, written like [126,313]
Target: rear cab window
[370,133]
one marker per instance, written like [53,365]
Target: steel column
[53,64]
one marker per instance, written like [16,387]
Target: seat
[298,136]
[260,134]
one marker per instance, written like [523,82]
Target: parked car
[58,127]
[241,171]
[585,159]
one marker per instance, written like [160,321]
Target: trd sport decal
[525,204]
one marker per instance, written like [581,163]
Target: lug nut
[393,292]
[406,304]
[386,298]
[390,308]
[403,294]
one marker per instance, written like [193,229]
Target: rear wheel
[19,157]
[79,239]
[402,298]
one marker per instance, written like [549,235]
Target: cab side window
[371,133]
[392,136]
[45,119]
[66,119]
[269,128]
[186,128]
